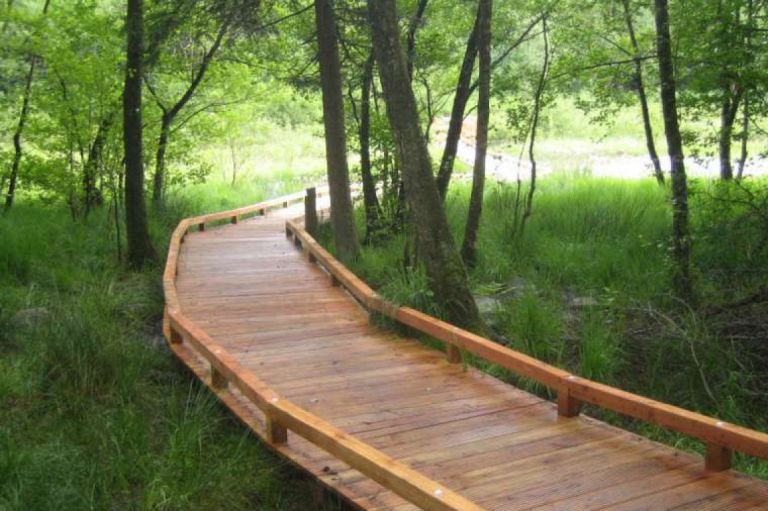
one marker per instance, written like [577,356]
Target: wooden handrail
[281,414]
[720,437]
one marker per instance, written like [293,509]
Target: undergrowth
[96,413]
[586,288]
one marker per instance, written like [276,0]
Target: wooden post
[308,254]
[718,458]
[201,226]
[567,405]
[276,432]
[310,211]
[452,353]
[176,337]
[285,204]
[263,211]
[218,380]
[234,219]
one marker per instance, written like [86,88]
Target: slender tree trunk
[445,271]
[728,112]
[413,26]
[460,99]
[140,249]
[468,249]
[537,104]
[342,214]
[170,114]
[13,177]
[681,239]
[17,148]
[641,95]
[744,138]
[91,196]
[370,199]
[158,184]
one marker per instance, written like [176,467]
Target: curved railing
[721,438]
[281,416]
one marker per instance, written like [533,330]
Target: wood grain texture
[294,356]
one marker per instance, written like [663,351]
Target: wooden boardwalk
[282,326]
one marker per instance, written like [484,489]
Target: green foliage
[97,414]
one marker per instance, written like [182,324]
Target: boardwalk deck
[280,317]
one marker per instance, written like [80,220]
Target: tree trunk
[728,112]
[370,199]
[744,138]
[140,249]
[91,195]
[537,101]
[445,271]
[170,114]
[342,214]
[413,26]
[158,184]
[641,95]
[460,99]
[13,177]
[681,240]
[468,250]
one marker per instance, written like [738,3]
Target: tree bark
[140,249]
[342,214]
[413,26]
[537,101]
[460,99]
[744,138]
[728,110]
[13,177]
[681,240]
[158,179]
[445,271]
[641,95]
[468,249]
[91,196]
[370,199]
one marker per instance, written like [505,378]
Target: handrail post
[567,405]
[276,432]
[718,458]
[218,380]
[176,336]
[310,211]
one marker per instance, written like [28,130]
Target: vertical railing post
[310,211]
[176,336]
[567,405]
[718,458]
[218,380]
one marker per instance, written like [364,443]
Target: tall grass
[586,287]
[96,413]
